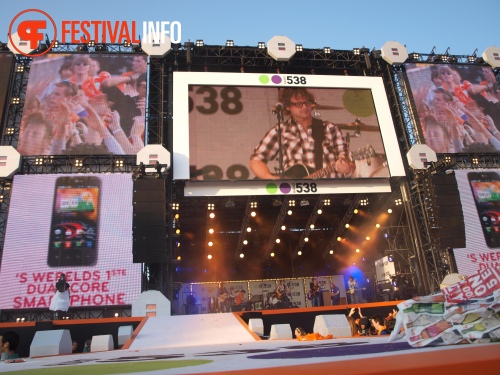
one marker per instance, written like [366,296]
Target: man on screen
[310,147]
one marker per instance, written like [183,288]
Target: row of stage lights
[254,205]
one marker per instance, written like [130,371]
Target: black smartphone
[485,188]
[74,228]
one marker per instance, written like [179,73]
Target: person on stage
[314,294]
[307,144]
[61,300]
[224,302]
[282,293]
[334,289]
[240,301]
[353,289]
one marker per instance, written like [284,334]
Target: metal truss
[251,59]
[71,164]
[312,219]
[244,226]
[277,227]
[341,226]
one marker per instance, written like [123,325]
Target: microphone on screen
[278,107]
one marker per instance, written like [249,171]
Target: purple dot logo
[276,79]
[285,188]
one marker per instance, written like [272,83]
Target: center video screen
[458,106]
[79,225]
[92,104]
[330,127]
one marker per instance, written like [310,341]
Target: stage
[222,343]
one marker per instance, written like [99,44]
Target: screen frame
[182,81]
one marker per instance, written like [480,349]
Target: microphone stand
[279,116]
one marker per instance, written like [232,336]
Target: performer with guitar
[314,294]
[302,142]
[282,293]
[353,289]
[224,302]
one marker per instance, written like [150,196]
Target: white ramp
[191,330]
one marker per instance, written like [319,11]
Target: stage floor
[222,343]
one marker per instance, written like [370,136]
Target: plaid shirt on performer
[298,146]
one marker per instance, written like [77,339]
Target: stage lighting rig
[199,43]
[261,45]
[299,48]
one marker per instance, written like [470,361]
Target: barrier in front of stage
[336,325]
[256,325]
[102,343]
[124,333]
[281,332]
[54,342]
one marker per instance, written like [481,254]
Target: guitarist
[314,294]
[224,302]
[282,293]
[305,141]
[353,287]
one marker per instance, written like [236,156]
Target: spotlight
[398,202]
[276,203]
[471,59]
[101,48]
[211,206]
[82,48]
[299,48]
[16,100]
[326,202]
[261,45]
[253,204]
[327,50]
[291,203]
[415,56]
[199,43]
[56,44]
[78,163]
[10,130]
[92,43]
[356,51]
[390,258]
[119,163]
[126,43]
[229,43]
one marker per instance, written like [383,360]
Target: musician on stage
[353,289]
[223,298]
[282,292]
[334,289]
[314,294]
[305,141]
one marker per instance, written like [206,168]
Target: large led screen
[80,225]
[480,196]
[88,104]
[6,60]
[226,127]
[458,106]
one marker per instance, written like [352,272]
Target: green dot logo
[271,188]
[264,79]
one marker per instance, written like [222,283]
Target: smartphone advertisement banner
[80,225]
[480,197]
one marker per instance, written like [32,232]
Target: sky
[458,26]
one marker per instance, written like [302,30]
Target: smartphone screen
[74,227]
[485,188]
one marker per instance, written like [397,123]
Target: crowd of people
[457,115]
[85,110]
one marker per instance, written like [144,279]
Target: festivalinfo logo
[32,26]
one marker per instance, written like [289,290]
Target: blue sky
[461,26]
